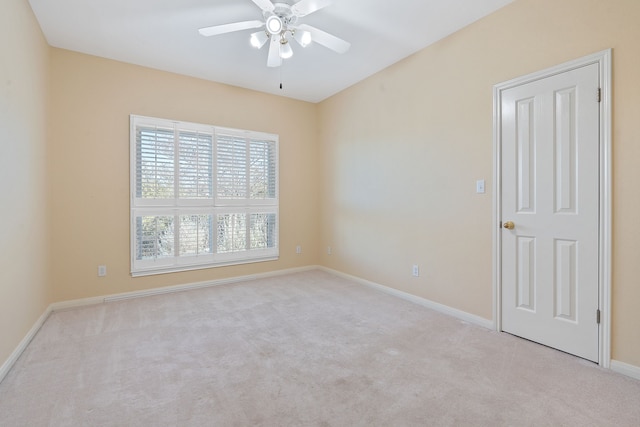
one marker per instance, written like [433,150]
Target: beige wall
[92,99]
[402,151]
[24,242]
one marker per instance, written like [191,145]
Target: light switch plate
[480,186]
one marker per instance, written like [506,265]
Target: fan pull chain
[281,77]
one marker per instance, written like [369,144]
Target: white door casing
[552,180]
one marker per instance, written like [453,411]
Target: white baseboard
[441,308]
[66,305]
[206,284]
[76,303]
[625,369]
[6,366]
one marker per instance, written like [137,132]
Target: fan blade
[265,5]
[229,28]
[305,7]
[274,59]
[325,39]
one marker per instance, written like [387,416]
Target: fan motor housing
[283,11]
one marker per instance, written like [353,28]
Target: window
[201,196]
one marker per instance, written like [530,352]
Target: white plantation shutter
[201,196]
[155,162]
[196,234]
[196,165]
[232,232]
[155,236]
[231,158]
[262,169]
[246,169]
[263,230]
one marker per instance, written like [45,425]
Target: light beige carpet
[306,349]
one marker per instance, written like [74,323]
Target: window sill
[181,268]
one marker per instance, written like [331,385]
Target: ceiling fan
[279,26]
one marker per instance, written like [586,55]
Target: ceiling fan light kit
[279,26]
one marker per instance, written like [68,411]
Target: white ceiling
[163,34]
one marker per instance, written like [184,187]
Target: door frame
[603,59]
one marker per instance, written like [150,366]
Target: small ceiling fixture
[274,25]
[279,26]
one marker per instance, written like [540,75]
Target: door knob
[509,225]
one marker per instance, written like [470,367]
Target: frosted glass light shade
[258,39]
[302,37]
[285,50]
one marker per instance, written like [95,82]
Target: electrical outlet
[328,250]
[416,270]
[298,249]
[102,270]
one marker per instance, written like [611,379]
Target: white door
[550,198]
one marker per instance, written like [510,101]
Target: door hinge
[598,317]
[599,95]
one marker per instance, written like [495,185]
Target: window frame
[212,206]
